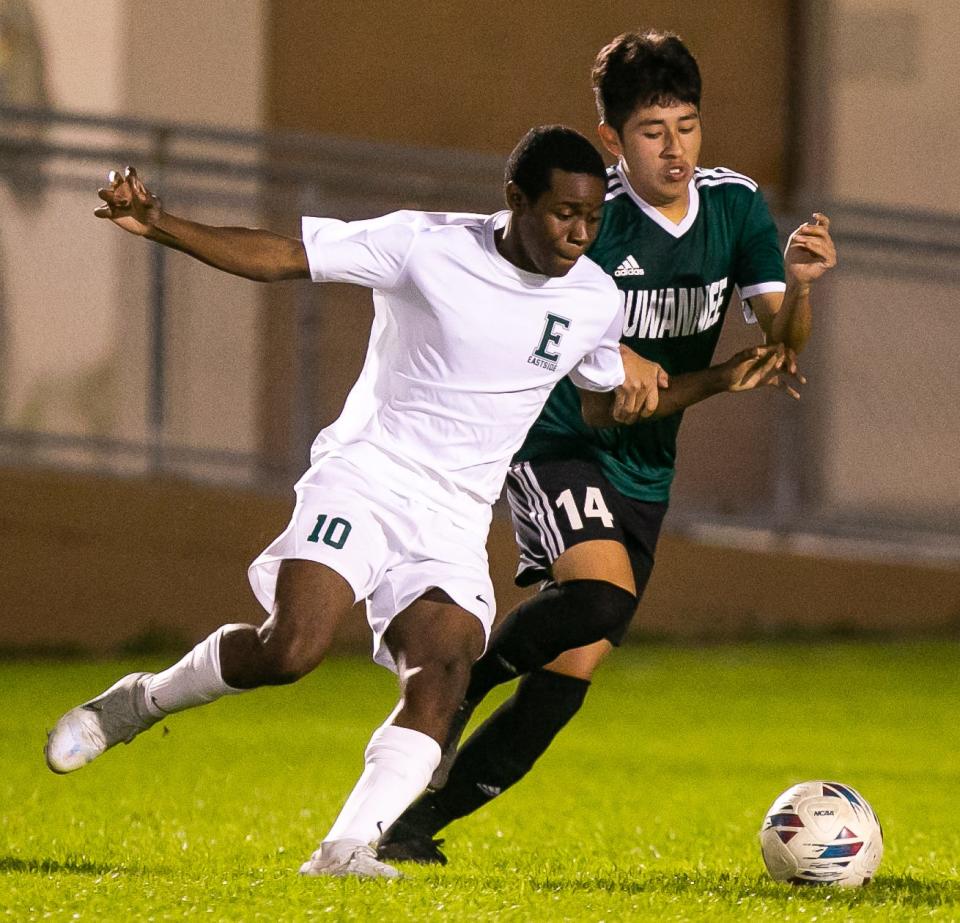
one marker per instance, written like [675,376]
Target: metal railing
[257,174]
[49,158]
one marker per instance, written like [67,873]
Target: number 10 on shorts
[335,534]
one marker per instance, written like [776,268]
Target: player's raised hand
[772,366]
[810,251]
[639,395]
[129,203]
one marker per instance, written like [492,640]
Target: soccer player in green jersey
[588,503]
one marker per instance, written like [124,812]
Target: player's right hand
[129,203]
[639,395]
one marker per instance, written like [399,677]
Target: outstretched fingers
[765,366]
[779,374]
[136,184]
[128,203]
[116,195]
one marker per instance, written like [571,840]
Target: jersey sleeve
[759,263]
[371,253]
[602,370]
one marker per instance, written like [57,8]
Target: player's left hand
[773,365]
[810,251]
[639,394]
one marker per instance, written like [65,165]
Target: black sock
[498,754]
[557,619]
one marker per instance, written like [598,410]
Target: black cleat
[422,849]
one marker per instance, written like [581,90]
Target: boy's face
[658,146]
[556,229]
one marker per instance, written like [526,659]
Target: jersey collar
[674,230]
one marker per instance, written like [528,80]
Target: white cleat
[347,858]
[83,733]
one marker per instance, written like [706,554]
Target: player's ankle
[423,818]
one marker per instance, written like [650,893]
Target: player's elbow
[282,259]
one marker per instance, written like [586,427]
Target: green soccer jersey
[675,282]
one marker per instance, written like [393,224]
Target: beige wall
[198,61]
[883,121]
[83,82]
[896,109]
[890,437]
[76,291]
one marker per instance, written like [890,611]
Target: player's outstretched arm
[787,318]
[636,398]
[771,366]
[249,252]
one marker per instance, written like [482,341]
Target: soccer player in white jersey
[588,502]
[477,318]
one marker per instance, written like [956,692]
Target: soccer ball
[821,833]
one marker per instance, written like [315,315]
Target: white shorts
[390,548]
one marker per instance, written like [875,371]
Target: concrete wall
[447,73]
[882,122]
[896,114]
[93,565]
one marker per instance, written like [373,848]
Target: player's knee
[435,685]
[288,660]
[445,670]
[605,609]
[445,652]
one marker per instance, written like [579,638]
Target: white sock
[194,680]
[398,765]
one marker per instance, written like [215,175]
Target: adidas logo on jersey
[629,267]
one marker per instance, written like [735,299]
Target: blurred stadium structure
[154,412]
[157,365]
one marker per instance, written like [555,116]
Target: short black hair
[643,69]
[551,147]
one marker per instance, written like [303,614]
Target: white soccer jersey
[464,350]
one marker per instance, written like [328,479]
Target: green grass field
[646,809]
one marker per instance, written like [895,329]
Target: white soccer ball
[822,833]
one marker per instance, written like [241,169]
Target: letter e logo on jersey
[544,356]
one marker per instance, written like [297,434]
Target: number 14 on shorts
[593,508]
[333,533]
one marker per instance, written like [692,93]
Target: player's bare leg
[310,602]
[581,662]
[434,643]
